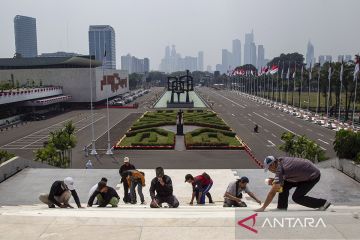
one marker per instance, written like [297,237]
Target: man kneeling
[233,194]
[60,194]
[105,195]
[162,185]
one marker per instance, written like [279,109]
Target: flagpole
[317,107]
[309,87]
[341,76]
[93,148]
[282,83]
[301,80]
[328,97]
[293,90]
[353,115]
[288,84]
[108,151]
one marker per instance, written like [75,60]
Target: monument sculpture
[180,85]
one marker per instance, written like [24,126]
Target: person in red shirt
[201,186]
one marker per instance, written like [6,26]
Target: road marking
[323,141]
[233,114]
[271,144]
[323,148]
[266,114]
[273,135]
[266,130]
[229,100]
[320,135]
[249,115]
[332,139]
[276,124]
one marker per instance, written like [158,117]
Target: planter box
[348,167]
[16,164]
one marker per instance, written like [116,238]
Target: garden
[147,131]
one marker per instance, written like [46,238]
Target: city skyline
[62,30]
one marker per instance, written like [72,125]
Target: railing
[28,94]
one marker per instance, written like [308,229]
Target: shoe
[211,202]
[52,206]
[133,203]
[326,206]
[143,203]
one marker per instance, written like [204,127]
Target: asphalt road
[242,114]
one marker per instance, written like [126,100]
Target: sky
[144,27]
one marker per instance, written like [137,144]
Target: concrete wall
[75,81]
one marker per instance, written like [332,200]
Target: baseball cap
[126,160]
[69,182]
[244,179]
[268,161]
[188,177]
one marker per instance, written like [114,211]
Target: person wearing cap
[60,193]
[291,172]
[163,187]
[233,194]
[105,195]
[122,171]
[201,186]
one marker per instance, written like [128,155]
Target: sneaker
[143,203]
[326,206]
[52,206]
[133,203]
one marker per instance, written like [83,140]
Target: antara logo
[284,222]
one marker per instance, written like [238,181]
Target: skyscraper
[101,38]
[249,53]
[25,36]
[321,60]
[200,64]
[135,65]
[236,51]
[328,58]
[261,57]
[226,61]
[309,54]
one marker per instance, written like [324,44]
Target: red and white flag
[274,69]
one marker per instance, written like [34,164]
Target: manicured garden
[146,133]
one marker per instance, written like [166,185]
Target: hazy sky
[144,27]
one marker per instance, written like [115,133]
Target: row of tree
[57,150]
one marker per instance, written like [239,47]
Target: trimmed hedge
[209,137]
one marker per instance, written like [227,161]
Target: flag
[357,68]
[288,73]
[341,71]
[274,69]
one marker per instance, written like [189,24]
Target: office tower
[208,68]
[173,62]
[309,54]
[328,58]
[25,36]
[347,58]
[261,57]
[101,38]
[226,61]
[236,51]
[200,64]
[135,65]
[249,49]
[321,60]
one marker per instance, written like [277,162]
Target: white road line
[273,135]
[275,123]
[320,135]
[233,114]
[282,115]
[266,114]
[40,130]
[323,148]
[266,130]
[249,115]
[271,144]
[229,100]
[323,141]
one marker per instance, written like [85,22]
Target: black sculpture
[179,85]
[180,123]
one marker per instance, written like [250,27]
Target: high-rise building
[328,58]
[200,64]
[135,65]
[261,57]
[173,62]
[236,51]
[321,60]
[101,41]
[249,49]
[309,54]
[226,61]
[347,58]
[25,36]
[208,68]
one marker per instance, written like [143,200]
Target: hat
[244,179]
[268,161]
[126,160]
[188,177]
[69,182]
